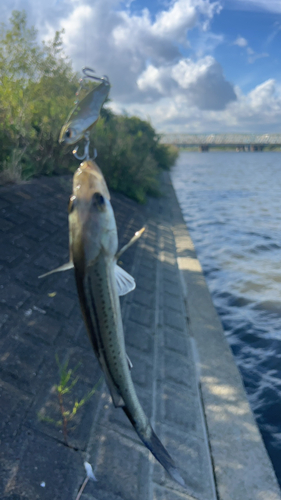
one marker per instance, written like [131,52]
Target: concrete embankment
[183,370]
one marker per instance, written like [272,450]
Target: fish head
[92,223]
[71,133]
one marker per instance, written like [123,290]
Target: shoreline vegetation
[37,91]
[234,149]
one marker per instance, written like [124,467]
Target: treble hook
[86,155]
[85,71]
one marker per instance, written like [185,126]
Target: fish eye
[72,204]
[98,200]
[68,133]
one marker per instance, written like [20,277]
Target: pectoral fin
[125,282]
[136,236]
[64,267]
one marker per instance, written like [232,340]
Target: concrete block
[174,319]
[22,241]
[121,467]
[35,233]
[46,262]
[174,302]
[169,494]
[38,326]
[21,362]
[143,297]
[170,274]
[46,225]
[13,404]
[58,219]
[27,274]
[139,336]
[148,261]
[144,284]
[141,315]
[172,288]
[3,318]
[175,341]
[191,457]
[3,203]
[142,371]
[74,332]
[13,295]
[5,225]
[179,369]
[169,257]
[60,304]
[180,408]
[43,470]
[8,253]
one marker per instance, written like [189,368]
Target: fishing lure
[85,114]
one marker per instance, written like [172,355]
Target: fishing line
[85,48]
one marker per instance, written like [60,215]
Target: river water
[231,203]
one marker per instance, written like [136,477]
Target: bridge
[241,142]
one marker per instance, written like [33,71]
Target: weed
[67,383]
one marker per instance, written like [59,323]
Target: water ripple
[231,204]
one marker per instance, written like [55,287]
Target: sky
[188,66]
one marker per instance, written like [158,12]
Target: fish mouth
[62,138]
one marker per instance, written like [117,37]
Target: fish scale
[103,303]
[104,325]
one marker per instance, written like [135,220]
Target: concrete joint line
[155,357]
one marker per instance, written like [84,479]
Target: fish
[93,250]
[85,114]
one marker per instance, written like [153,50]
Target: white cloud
[142,55]
[240,41]
[174,22]
[277,29]
[269,5]
[259,111]
[135,50]
[202,83]
[252,55]
[264,97]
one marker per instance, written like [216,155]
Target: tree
[36,92]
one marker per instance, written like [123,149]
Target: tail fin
[157,449]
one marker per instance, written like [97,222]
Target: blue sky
[187,65]
[262,30]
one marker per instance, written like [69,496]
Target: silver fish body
[85,114]
[93,245]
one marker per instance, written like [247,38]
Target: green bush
[130,155]
[37,91]
[37,87]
